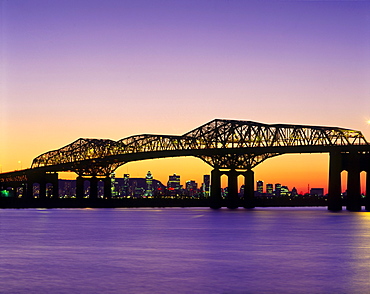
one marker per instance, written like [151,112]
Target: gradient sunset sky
[111,69]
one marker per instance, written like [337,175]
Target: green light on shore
[4,193]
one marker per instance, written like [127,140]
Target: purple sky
[110,69]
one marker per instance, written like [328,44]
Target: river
[184,250]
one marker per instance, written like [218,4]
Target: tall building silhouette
[206,185]
[126,185]
[269,189]
[277,189]
[191,188]
[173,185]
[149,184]
[260,187]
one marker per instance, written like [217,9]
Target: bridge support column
[42,191]
[367,194]
[232,189]
[80,187]
[215,197]
[29,190]
[107,187]
[53,179]
[334,195]
[56,189]
[353,184]
[249,189]
[93,187]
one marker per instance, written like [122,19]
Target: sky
[111,69]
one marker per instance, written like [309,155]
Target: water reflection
[197,250]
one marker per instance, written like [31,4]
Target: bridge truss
[220,143]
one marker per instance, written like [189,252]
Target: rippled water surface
[184,250]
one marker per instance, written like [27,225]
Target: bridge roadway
[231,147]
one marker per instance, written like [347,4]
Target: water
[184,250]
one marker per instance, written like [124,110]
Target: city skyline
[184,181]
[93,70]
[150,187]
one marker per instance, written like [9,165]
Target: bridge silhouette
[231,147]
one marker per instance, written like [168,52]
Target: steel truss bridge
[231,147]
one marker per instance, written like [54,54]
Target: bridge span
[231,147]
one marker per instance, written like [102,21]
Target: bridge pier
[42,187]
[353,183]
[93,187]
[56,189]
[215,197]
[80,187]
[53,179]
[334,195]
[232,189]
[249,189]
[107,187]
[29,190]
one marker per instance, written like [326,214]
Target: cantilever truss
[222,135]
[85,150]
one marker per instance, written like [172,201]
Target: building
[191,188]
[269,189]
[284,191]
[173,185]
[149,185]
[206,185]
[126,185]
[259,187]
[294,192]
[114,185]
[317,191]
[277,189]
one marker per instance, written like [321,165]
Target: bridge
[231,147]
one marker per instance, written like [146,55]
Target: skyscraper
[206,185]
[277,189]
[126,185]
[206,181]
[173,185]
[260,187]
[149,185]
[191,188]
[269,189]
[113,185]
